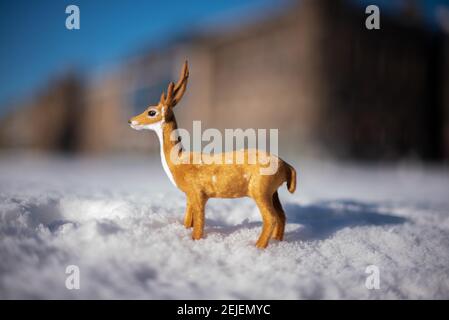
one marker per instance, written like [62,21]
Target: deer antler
[175,92]
[181,85]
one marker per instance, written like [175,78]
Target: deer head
[155,115]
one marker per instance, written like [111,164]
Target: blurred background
[363,116]
[309,68]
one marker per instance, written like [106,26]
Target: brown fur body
[200,179]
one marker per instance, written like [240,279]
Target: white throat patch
[157,127]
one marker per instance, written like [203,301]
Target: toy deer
[203,180]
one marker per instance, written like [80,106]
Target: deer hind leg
[265,205]
[198,217]
[188,218]
[278,231]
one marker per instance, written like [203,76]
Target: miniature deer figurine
[203,180]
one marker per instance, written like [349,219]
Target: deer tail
[291,178]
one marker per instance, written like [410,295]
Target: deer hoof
[196,236]
[261,244]
[278,237]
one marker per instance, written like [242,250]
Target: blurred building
[48,121]
[313,71]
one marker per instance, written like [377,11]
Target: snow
[120,221]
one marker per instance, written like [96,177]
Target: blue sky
[36,44]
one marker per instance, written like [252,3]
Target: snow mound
[120,222]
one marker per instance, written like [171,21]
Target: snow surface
[120,221]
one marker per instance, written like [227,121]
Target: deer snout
[133,124]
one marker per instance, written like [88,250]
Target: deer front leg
[198,217]
[188,218]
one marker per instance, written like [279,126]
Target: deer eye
[152,113]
